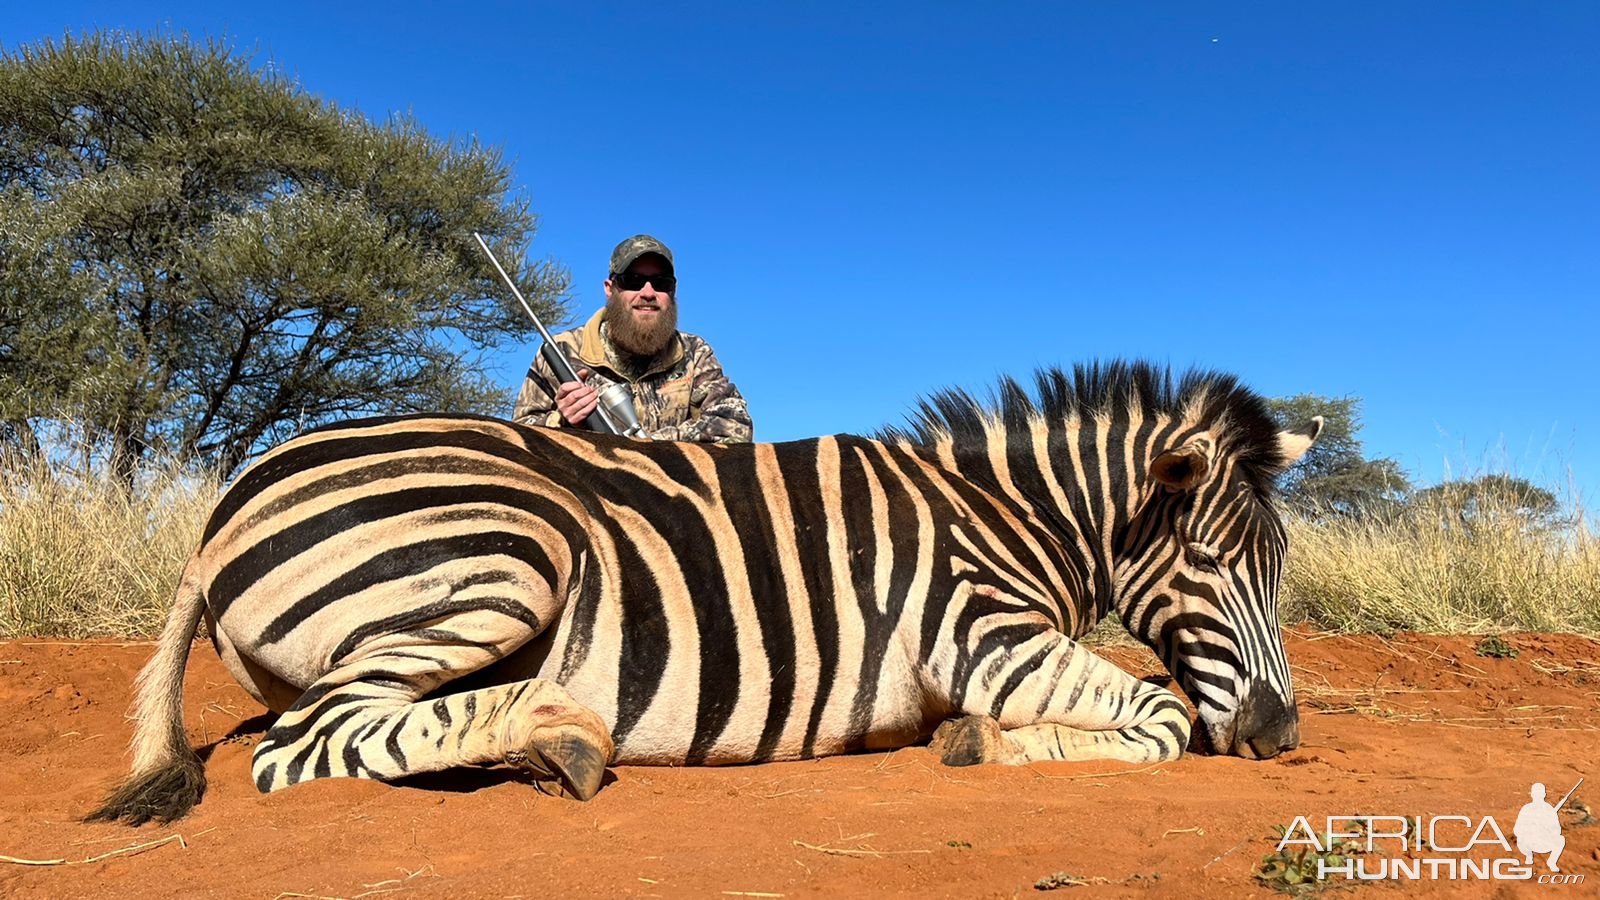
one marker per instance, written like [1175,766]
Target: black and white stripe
[426,592]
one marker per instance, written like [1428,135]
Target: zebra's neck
[1078,481]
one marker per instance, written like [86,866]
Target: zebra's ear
[1294,443]
[1184,468]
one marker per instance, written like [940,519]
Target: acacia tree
[200,255]
[1335,477]
[1472,502]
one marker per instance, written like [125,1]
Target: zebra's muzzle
[1265,726]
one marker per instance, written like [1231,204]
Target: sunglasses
[633,281]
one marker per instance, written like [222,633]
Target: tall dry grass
[82,556]
[1424,568]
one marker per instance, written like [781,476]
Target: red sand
[1416,725]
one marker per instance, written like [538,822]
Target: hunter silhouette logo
[1438,847]
[1538,828]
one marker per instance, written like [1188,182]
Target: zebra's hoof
[571,764]
[968,741]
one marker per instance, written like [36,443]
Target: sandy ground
[1414,725]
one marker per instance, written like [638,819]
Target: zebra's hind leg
[368,719]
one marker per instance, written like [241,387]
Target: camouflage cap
[629,251]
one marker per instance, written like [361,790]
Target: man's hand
[576,400]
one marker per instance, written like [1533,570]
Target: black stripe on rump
[445,461]
[303,457]
[439,611]
[411,560]
[266,553]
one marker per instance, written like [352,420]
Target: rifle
[614,414]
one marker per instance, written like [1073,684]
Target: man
[679,388]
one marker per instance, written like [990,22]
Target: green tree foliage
[200,255]
[1336,477]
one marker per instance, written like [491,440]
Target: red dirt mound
[1414,725]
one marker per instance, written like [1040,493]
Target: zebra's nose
[1266,725]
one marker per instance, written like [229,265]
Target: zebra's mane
[1115,388]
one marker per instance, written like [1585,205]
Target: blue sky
[1399,202]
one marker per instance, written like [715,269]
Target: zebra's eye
[1201,556]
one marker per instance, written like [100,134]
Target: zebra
[418,593]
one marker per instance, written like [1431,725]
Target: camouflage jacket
[683,394]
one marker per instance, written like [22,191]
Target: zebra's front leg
[971,740]
[366,721]
[1047,697]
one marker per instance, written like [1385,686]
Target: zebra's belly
[672,715]
[667,745]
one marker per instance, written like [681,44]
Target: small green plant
[1058,880]
[1495,647]
[1293,870]
[1578,813]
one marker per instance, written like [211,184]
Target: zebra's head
[1199,580]
[1163,492]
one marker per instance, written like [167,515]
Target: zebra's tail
[167,778]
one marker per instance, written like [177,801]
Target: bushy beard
[632,336]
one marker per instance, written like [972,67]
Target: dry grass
[81,556]
[1423,570]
